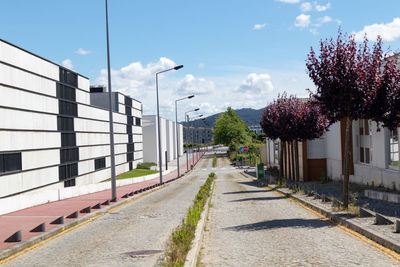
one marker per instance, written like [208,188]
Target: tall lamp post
[177,129]
[112,152]
[187,134]
[158,119]
[194,129]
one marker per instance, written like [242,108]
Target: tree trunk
[281,162]
[347,158]
[296,161]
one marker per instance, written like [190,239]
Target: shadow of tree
[282,223]
[249,183]
[245,192]
[257,198]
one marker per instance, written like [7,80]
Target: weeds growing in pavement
[214,162]
[181,239]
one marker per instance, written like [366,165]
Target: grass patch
[134,173]
[146,165]
[214,162]
[182,237]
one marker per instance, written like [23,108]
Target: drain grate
[139,253]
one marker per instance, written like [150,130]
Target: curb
[17,248]
[378,238]
[193,254]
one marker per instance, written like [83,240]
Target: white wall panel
[85,167]
[83,139]
[122,168]
[92,112]
[137,138]
[138,146]
[136,113]
[22,59]
[316,149]
[17,140]
[18,78]
[137,130]
[39,177]
[121,108]
[93,152]
[82,97]
[120,148]
[41,158]
[85,125]
[139,155]
[120,128]
[16,119]
[136,104]
[120,138]
[83,83]
[119,117]
[120,159]
[121,98]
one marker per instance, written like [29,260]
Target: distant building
[198,135]
[255,129]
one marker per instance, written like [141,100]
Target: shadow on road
[245,192]
[257,198]
[283,223]
[250,183]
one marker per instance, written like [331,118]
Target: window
[138,121]
[66,92]
[65,124]
[364,141]
[68,139]
[67,108]
[130,147]
[130,138]
[128,101]
[129,156]
[394,148]
[68,77]
[130,120]
[99,163]
[69,183]
[128,110]
[129,129]
[67,171]
[69,155]
[10,162]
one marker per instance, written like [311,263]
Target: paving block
[97,206]
[380,220]
[59,220]
[73,215]
[40,228]
[105,203]
[86,210]
[364,213]
[125,196]
[16,237]
[131,193]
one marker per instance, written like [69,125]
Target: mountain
[248,115]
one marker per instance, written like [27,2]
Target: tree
[230,130]
[346,76]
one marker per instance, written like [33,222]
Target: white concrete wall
[170,139]
[316,149]
[150,142]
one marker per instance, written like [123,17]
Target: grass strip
[182,237]
[214,162]
[133,174]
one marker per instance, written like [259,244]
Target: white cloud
[314,31]
[306,7]
[256,84]
[82,52]
[201,66]
[321,8]
[67,63]
[322,20]
[302,21]
[190,85]
[259,26]
[289,1]
[389,32]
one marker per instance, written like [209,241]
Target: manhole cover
[139,253]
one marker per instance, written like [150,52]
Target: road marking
[64,231]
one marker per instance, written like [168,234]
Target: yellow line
[388,252]
[64,231]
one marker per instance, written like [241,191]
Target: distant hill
[248,115]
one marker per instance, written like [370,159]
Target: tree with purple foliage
[353,83]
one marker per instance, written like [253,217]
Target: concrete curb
[8,252]
[376,237]
[193,254]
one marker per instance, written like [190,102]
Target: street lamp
[158,119]
[177,129]
[112,152]
[193,132]
[187,134]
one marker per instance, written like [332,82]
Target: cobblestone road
[142,227]
[250,226]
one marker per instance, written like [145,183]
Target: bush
[214,162]
[273,171]
[145,165]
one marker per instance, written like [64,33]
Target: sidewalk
[27,219]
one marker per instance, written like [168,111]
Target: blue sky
[235,53]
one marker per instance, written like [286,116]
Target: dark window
[68,139]
[69,183]
[68,171]
[138,121]
[68,77]
[130,166]
[129,129]
[128,110]
[97,89]
[65,124]
[130,120]
[66,92]
[67,108]
[130,147]
[10,162]
[99,163]
[128,101]
[130,138]
[129,156]
[69,155]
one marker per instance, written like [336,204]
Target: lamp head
[191,96]
[197,109]
[178,67]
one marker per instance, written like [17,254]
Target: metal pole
[113,181]
[159,132]
[177,138]
[187,144]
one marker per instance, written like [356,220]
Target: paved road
[145,224]
[249,226]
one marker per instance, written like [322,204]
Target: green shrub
[214,162]
[145,165]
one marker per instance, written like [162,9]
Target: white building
[51,136]
[168,139]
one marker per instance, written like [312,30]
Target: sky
[235,53]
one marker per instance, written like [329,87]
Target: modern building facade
[51,135]
[198,135]
[168,139]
